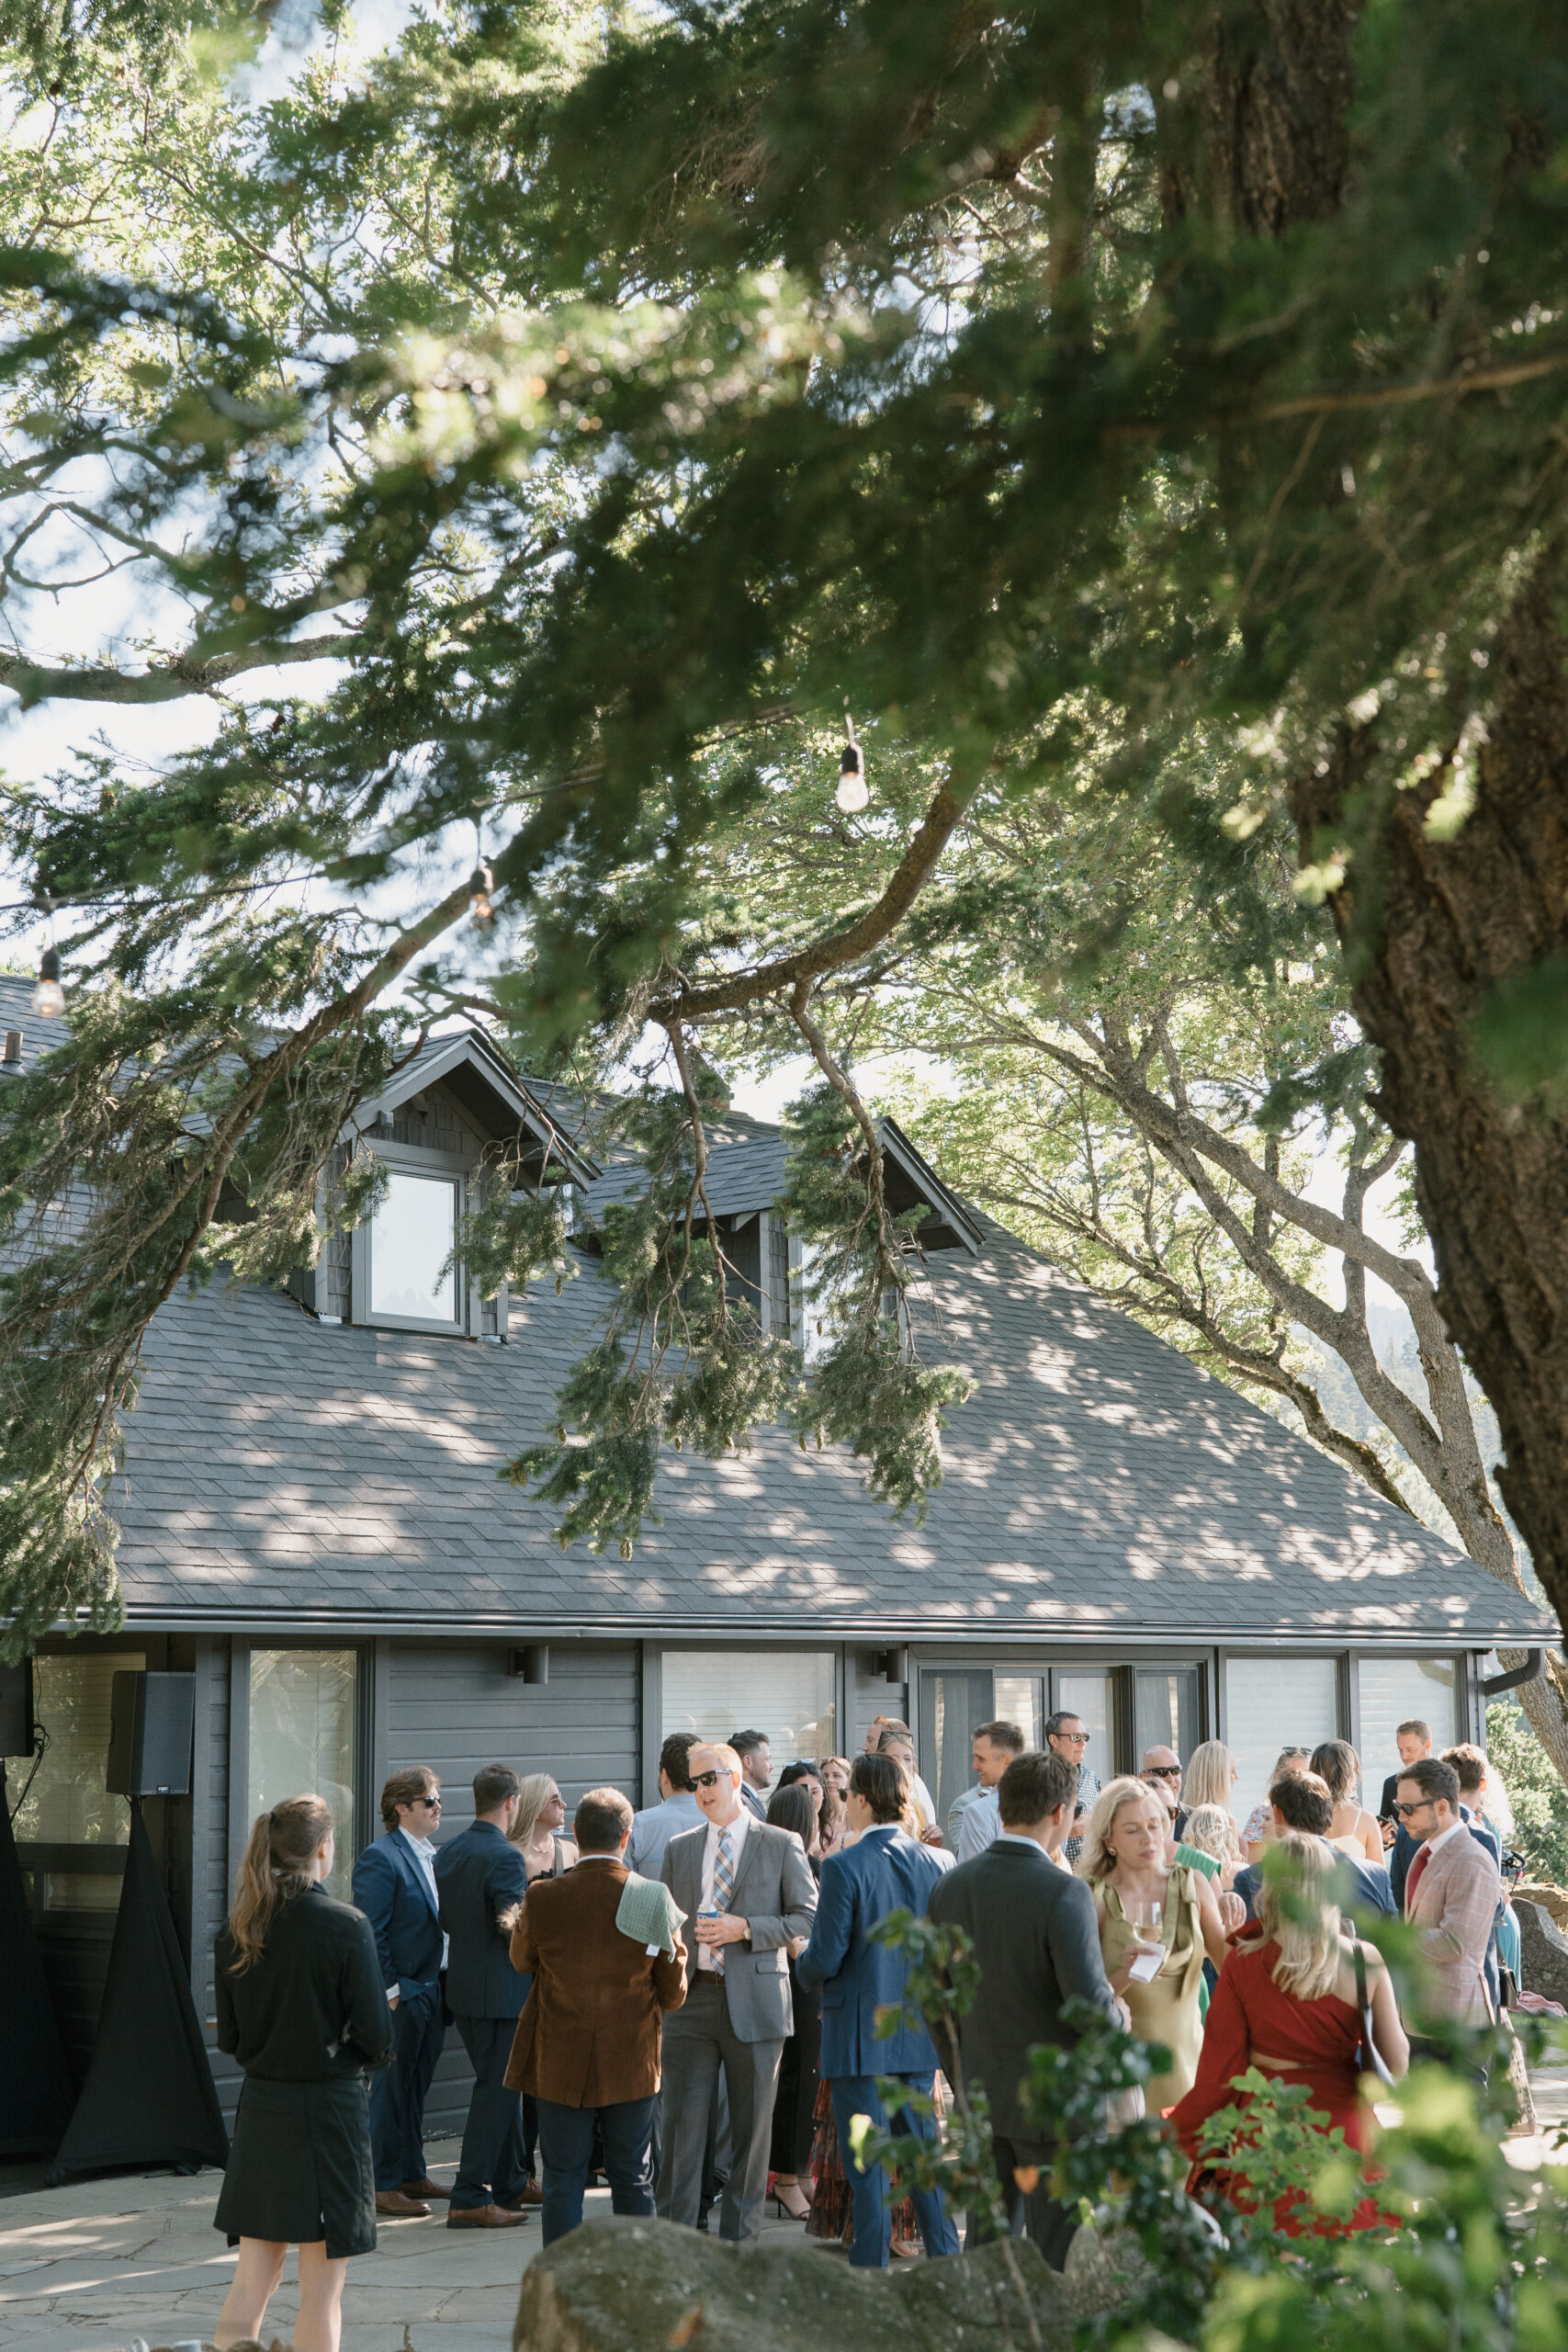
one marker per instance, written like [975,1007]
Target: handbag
[1370,2059]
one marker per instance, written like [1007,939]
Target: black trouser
[492,2169]
[566,2150]
[1048,2222]
[397,2092]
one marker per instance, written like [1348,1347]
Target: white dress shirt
[426,1854]
[737,1831]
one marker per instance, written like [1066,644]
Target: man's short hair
[1063,1715]
[672,1758]
[1470,1764]
[415,1780]
[601,1821]
[746,1743]
[493,1783]
[1433,1778]
[1034,1784]
[1303,1801]
[1414,1729]
[883,1783]
[1001,1735]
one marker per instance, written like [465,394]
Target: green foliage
[1535,1791]
[606,400]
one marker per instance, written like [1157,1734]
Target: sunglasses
[710,1779]
[1163,1772]
[1073,1739]
[1419,1807]
[432,1805]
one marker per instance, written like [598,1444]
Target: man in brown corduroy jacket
[587,2041]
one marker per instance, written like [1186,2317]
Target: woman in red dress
[1286,2004]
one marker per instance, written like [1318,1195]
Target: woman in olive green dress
[1146,1906]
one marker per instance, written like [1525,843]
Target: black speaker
[16,1708]
[152,1717]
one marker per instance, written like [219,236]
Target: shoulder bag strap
[1369,2058]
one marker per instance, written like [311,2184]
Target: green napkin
[649,1912]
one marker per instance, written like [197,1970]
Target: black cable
[40,1742]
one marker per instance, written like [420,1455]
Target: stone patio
[91,2266]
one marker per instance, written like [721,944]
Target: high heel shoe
[785,2211]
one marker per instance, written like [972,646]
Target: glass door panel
[951,1706]
[1020,1700]
[1164,1711]
[1092,1698]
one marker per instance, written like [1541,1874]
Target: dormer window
[413,1278]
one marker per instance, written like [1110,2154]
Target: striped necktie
[723,1887]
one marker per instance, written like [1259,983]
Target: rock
[1103,2271]
[648,2286]
[1543,1953]
[1553,1899]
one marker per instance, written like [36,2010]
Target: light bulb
[853,792]
[49,997]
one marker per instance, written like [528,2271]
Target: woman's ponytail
[276,1865]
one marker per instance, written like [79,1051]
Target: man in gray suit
[752,1896]
[1037,1941]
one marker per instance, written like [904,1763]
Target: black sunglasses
[1418,1807]
[709,1779]
[1163,1772]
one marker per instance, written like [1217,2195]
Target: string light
[49,997]
[853,792]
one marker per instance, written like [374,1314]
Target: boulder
[648,2286]
[1543,1953]
[1103,2270]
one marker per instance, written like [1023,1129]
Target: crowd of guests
[687,1999]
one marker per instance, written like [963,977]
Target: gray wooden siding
[454,1707]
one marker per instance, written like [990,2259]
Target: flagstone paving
[92,2266]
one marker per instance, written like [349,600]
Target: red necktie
[1413,1881]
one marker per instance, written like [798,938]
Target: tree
[1157,410]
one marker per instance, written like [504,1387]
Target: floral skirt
[833,2200]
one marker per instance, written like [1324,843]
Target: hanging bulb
[853,792]
[49,997]
[481,882]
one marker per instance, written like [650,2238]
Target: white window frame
[413,1159]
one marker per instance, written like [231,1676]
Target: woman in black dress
[796,1806]
[301,2005]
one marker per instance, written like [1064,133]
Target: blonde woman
[1210,1777]
[1288,2003]
[1152,1916]
[1354,1830]
[301,2006]
[541,1810]
[1210,1829]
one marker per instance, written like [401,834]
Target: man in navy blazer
[394,1885]
[885,1871]
[481,1880]
[1301,1801]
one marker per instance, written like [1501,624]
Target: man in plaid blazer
[1452,1895]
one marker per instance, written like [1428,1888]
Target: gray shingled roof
[1098,1484]
[283,1473]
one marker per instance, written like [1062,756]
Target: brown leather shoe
[426,2187]
[529,2194]
[392,2201]
[484,2217]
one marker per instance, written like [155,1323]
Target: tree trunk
[1453,920]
